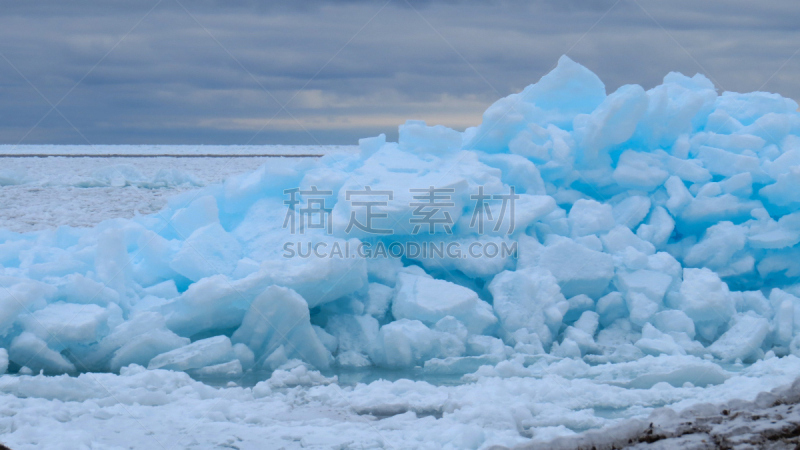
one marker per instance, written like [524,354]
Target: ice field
[42,193]
[364,299]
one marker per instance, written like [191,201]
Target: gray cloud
[170,81]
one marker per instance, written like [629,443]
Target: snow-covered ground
[770,421]
[299,409]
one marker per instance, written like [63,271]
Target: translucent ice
[429,300]
[199,354]
[637,223]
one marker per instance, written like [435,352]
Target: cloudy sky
[262,72]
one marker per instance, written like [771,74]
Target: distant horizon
[181,145]
[319,73]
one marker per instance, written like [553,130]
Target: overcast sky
[247,72]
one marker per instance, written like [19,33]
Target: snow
[298,406]
[655,263]
[769,420]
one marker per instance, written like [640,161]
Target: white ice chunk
[740,185]
[68,323]
[144,347]
[21,296]
[786,307]
[379,297]
[201,212]
[80,289]
[352,359]
[165,290]
[519,172]
[532,208]
[781,234]
[293,374]
[718,247]
[577,269]
[679,195]
[430,300]
[245,356]
[383,270]
[582,339]
[278,317]
[654,342]
[416,136]
[220,303]
[651,283]
[641,307]
[658,228]
[674,321]
[330,341]
[577,306]
[614,120]
[590,217]
[742,340]
[527,299]
[752,301]
[135,341]
[588,322]
[703,212]
[484,345]
[690,170]
[30,351]
[560,95]
[637,170]
[357,334]
[721,162]
[208,251]
[786,190]
[631,211]
[566,349]
[228,369]
[621,237]
[704,297]
[611,307]
[3,361]
[275,359]
[407,343]
[206,352]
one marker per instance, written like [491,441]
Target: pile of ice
[659,222]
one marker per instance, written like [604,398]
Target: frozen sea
[40,193]
[513,403]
